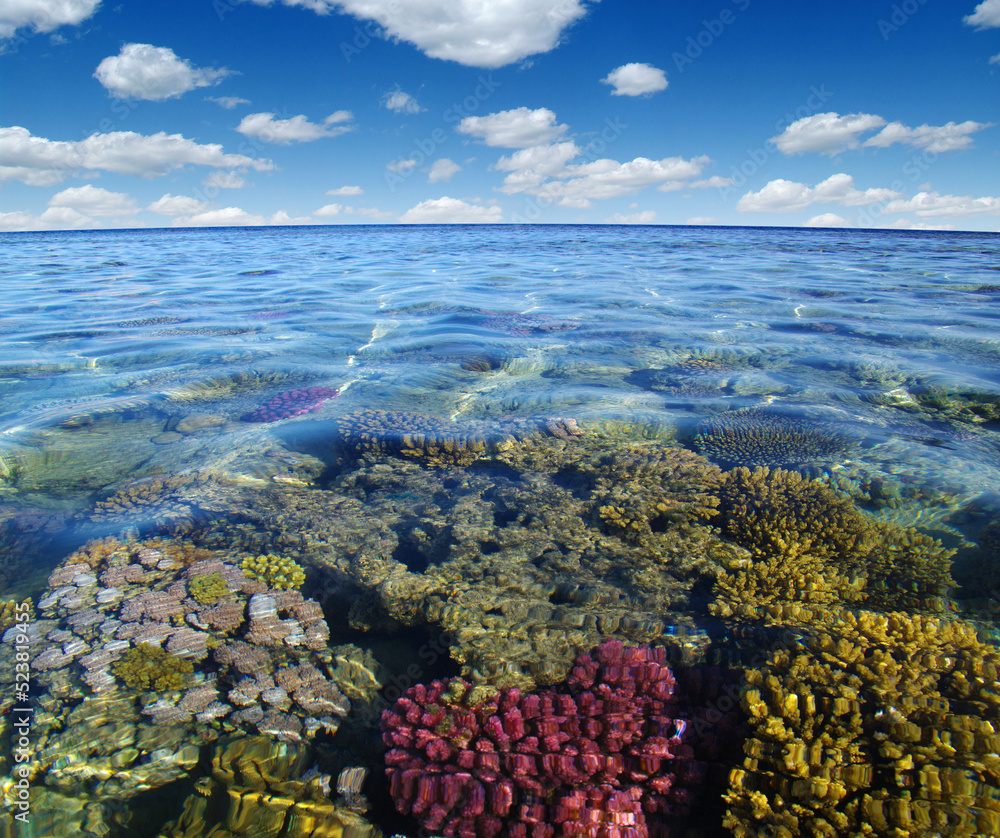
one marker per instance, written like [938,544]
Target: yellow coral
[275,571]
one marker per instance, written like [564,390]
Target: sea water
[142,354]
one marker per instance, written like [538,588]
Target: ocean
[612,531]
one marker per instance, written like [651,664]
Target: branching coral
[878,725]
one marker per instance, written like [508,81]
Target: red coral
[597,759]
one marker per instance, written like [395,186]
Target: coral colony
[291,403]
[595,759]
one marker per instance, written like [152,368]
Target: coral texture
[291,403]
[600,758]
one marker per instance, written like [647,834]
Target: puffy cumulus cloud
[399,166]
[329,210]
[41,162]
[830,133]
[43,15]
[224,180]
[578,185]
[950,137]
[826,133]
[714,182]
[227,102]
[153,73]
[985,16]
[344,191]
[174,205]
[517,128]
[226,217]
[827,219]
[54,218]
[267,128]
[636,80]
[788,196]
[643,217]
[400,102]
[540,160]
[92,200]
[443,169]
[477,34]
[933,204]
[450,211]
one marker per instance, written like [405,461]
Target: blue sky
[735,112]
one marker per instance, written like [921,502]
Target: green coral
[207,589]
[148,667]
[876,724]
[275,571]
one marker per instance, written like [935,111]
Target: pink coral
[597,759]
[291,403]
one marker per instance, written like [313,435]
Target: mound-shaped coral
[148,667]
[754,437]
[277,572]
[880,725]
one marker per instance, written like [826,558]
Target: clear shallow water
[873,358]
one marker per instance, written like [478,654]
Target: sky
[160,113]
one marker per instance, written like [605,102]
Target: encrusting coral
[146,667]
[208,588]
[876,724]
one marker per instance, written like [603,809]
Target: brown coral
[883,725]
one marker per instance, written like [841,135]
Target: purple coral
[291,403]
[598,759]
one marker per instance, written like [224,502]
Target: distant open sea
[312,467]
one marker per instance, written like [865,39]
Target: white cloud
[933,204]
[329,210]
[827,219]
[224,180]
[296,129]
[477,33]
[985,16]
[41,162]
[153,73]
[644,217]
[177,205]
[517,128]
[43,15]
[950,137]
[788,196]
[400,102]
[228,102]
[401,165]
[826,133]
[229,216]
[54,218]
[283,218]
[714,182]
[636,80]
[450,211]
[92,200]
[995,59]
[603,179]
[702,219]
[443,169]
[538,161]
[344,191]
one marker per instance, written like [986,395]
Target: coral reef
[275,571]
[754,437]
[146,667]
[603,756]
[878,724]
[208,589]
[261,788]
[158,500]
[291,403]
[826,546]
